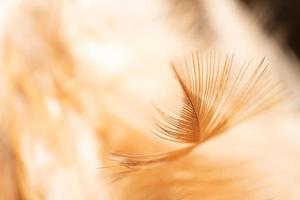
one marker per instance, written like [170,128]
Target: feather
[214,97]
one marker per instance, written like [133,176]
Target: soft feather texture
[214,97]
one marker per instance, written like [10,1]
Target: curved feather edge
[214,98]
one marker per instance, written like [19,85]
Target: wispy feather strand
[214,97]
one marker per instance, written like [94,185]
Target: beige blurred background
[77,78]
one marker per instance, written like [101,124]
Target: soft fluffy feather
[213,99]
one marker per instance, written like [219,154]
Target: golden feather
[214,97]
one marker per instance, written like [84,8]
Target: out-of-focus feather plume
[214,97]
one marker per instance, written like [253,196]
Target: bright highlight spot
[108,59]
